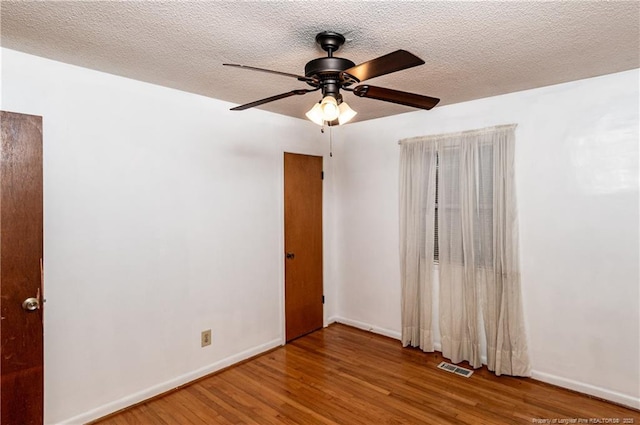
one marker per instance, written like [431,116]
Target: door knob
[31,304]
[290,255]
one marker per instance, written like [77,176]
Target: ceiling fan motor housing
[327,66]
[328,71]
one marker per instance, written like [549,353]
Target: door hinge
[323,299]
[322,175]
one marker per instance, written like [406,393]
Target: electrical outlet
[205,338]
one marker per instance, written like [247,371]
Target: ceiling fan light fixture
[330,109]
[317,113]
[346,113]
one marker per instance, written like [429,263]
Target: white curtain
[417,198]
[478,247]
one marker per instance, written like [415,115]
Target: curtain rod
[457,134]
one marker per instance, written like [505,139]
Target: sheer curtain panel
[507,351]
[479,273]
[417,215]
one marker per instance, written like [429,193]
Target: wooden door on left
[21,236]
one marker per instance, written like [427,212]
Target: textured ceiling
[471,49]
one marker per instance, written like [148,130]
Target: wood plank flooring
[342,375]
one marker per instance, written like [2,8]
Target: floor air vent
[455,369]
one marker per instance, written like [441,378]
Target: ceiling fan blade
[286,74]
[271,99]
[396,96]
[395,61]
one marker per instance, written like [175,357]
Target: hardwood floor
[342,375]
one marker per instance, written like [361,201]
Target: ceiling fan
[331,74]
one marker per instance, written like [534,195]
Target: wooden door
[303,244]
[21,367]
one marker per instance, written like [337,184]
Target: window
[448,205]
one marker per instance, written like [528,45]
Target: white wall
[577,182]
[163,217]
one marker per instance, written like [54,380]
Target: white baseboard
[559,381]
[584,388]
[148,393]
[366,327]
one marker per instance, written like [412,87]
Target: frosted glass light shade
[346,113]
[315,114]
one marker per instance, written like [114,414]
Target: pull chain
[330,138]
[331,142]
